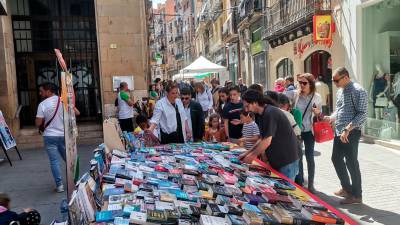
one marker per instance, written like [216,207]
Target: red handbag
[322,131]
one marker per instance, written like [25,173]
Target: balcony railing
[229,28]
[248,8]
[179,37]
[284,14]
[217,9]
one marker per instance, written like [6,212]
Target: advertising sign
[322,28]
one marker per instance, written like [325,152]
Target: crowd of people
[273,125]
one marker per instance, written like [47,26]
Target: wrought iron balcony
[216,9]
[178,37]
[250,10]
[285,15]
[229,28]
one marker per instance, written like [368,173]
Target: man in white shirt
[50,117]
[125,108]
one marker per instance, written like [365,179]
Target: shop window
[259,69]
[284,68]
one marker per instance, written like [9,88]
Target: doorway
[319,63]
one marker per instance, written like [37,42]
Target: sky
[155,2]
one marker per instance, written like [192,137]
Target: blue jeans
[55,146]
[290,170]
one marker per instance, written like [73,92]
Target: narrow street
[30,183]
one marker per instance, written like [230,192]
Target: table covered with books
[197,183]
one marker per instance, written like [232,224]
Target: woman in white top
[309,103]
[169,116]
[204,97]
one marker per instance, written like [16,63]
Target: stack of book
[186,184]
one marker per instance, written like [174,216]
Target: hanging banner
[70,128]
[322,28]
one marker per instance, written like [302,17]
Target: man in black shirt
[278,140]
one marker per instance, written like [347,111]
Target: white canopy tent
[202,65]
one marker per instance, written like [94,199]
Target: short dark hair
[289,78]
[271,98]
[253,96]
[170,87]
[283,99]
[47,86]
[123,84]
[341,71]
[157,80]
[257,87]
[234,88]
[141,119]
[224,90]
[247,113]
[186,91]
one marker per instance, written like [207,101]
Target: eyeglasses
[185,98]
[303,83]
[337,80]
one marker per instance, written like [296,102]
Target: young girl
[250,131]
[214,132]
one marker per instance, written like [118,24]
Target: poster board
[70,128]
[7,140]
[128,79]
[111,135]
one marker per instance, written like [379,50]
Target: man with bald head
[349,117]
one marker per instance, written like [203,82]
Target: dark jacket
[7,217]
[197,117]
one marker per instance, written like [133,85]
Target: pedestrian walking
[242,86]
[170,117]
[309,103]
[50,121]
[349,117]
[215,91]
[194,115]
[278,141]
[204,97]
[125,108]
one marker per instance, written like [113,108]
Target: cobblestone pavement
[30,184]
[380,169]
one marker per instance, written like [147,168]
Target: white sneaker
[60,188]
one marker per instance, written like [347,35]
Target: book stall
[184,184]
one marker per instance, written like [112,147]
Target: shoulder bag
[43,126]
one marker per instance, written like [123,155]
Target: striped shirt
[250,130]
[351,107]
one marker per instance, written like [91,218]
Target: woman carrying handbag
[309,103]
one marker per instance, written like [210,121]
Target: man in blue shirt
[349,117]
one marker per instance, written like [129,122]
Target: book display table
[197,183]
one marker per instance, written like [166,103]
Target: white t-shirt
[124,110]
[46,110]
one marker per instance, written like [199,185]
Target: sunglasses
[303,83]
[185,98]
[337,80]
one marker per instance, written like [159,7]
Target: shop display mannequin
[378,91]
